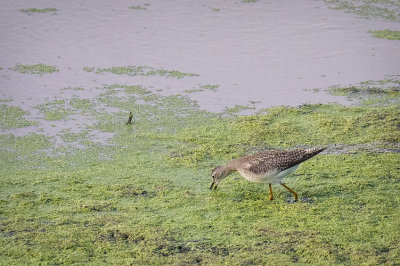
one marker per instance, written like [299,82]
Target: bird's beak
[212,184]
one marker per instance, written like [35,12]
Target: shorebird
[265,167]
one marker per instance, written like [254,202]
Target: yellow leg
[271,196]
[292,191]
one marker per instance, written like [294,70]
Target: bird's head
[219,173]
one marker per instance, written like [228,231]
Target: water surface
[270,52]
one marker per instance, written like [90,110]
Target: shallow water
[270,52]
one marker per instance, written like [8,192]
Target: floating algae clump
[35,69]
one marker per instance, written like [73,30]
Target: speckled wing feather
[278,160]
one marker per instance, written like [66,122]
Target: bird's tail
[314,151]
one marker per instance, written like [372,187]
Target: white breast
[269,177]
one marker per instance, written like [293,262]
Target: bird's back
[274,161]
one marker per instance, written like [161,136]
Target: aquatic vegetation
[25,152]
[31,11]
[386,34]
[28,145]
[387,10]
[61,109]
[193,90]
[382,92]
[141,71]
[13,117]
[74,141]
[306,125]
[143,198]
[81,103]
[203,88]
[137,89]
[35,69]
[89,69]
[137,7]
[210,87]
[6,100]
[72,88]
[237,109]
[54,110]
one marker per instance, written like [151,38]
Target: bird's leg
[271,196]
[292,191]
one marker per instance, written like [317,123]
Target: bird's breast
[272,176]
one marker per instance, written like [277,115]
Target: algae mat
[81,185]
[141,196]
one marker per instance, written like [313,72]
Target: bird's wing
[278,160]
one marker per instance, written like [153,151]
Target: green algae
[61,109]
[24,152]
[89,69]
[386,34]
[193,90]
[6,100]
[208,87]
[141,71]
[54,110]
[35,69]
[381,92]
[31,11]
[130,89]
[73,89]
[140,220]
[144,198]
[237,109]
[69,137]
[211,87]
[13,117]
[307,125]
[30,143]
[383,9]
[82,104]
[138,7]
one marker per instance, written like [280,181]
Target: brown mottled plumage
[265,167]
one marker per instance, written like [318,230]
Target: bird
[268,167]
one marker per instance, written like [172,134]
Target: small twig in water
[130,119]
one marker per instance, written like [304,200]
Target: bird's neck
[230,167]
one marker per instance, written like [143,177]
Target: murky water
[268,51]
